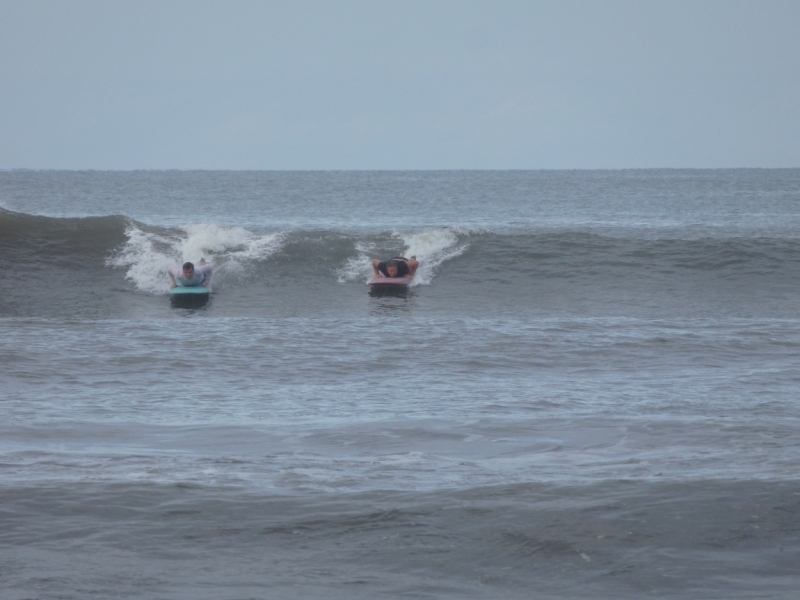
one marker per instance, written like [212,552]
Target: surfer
[189,276]
[399,266]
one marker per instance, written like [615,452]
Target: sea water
[590,390]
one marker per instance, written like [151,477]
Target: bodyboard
[391,280]
[196,290]
[189,295]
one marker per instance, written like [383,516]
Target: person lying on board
[189,276]
[399,266]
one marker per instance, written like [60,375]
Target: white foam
[357,267]
[432,248]
[146,255]
[234,245]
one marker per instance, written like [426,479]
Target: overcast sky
[399,85]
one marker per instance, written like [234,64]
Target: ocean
[590,389]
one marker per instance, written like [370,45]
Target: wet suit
[402,266]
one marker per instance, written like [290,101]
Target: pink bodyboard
[391,280]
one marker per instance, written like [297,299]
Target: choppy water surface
[590,390]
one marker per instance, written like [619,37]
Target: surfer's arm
[375,263]
[171,271]
[206,270]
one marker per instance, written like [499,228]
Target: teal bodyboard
[196,290]
[189,297]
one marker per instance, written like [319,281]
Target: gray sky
[399,85]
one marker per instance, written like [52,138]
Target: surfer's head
[391,268]
[188,270]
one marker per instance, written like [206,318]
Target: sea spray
[433,248]
[147,254]
[359,266]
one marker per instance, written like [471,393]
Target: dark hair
[392,263]
[187,266]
